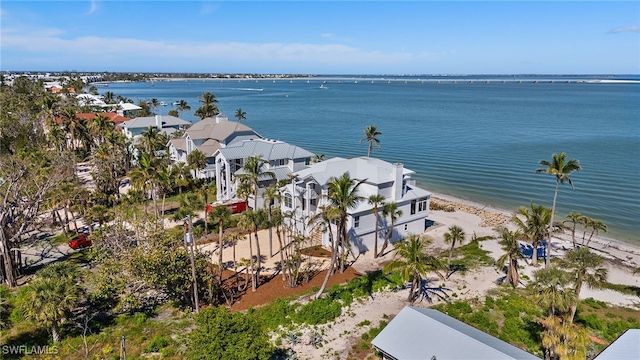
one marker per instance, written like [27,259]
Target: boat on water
[323,87]
[175,103]
[162,103]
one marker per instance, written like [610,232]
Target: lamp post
[188,242]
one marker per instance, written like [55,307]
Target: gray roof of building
[209,147]
[417,333]
[376,171]
[279,173]
[268,149]
[626,346]
[217,129]
[146,121]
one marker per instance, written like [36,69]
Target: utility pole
[189,243]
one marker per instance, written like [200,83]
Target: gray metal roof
[376,171]
[269,149]
[279,173]
[146,121]
[626,346]
[417,333]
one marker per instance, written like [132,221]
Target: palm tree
[271,193]
[550,288]
[534,225]
[455,234]
[182,106]
[220,215]
[596,226]
[376,200]
[563,340]
[208,98]
[574,218]
[241,115]
[51,295]
[74,125]
[342,192]
[206,110]
[414,264]
[561,168]
[389,210]
[370,135]
[145,177]
[584,267]
[151,140]
[254,171]
[513,252]
[180,175]
[99,128]
[246,222]
[317,158]
[197,161]
[327,215]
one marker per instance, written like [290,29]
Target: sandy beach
[474,218]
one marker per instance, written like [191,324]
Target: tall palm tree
[241,115]
[390,210]
[51,295]
[246,222]
[550,288]
[99,128]
[270,195]
[327,215]
[180,175]
[410,258]
[376,200]
[574,218]
[596,226]
[109,97]
[371,134]
[197,161]
[208,98]
[534,225]
[513,253]
[585,268]
[455,234]
[145,177]
[74,125]
[183,105]
[561,168]
[254,172]
[220,215]
[342,192]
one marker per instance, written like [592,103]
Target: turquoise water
[478,138]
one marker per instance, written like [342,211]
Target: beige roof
[180,143]
[209,147]
[208,128]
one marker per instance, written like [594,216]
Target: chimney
[159,122]
[398,183]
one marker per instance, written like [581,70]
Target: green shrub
[156,344]
[596,304]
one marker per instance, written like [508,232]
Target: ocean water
[474,137]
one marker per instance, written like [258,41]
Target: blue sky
[340,37]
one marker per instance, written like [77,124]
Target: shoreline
[626,253]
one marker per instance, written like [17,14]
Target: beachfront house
[281,159]
[166,124]
[307,192]
[208,135]
[418,333]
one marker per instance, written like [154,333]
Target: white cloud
[632,28]
[93,7]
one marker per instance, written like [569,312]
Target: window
[313,202]
[413,207]
[287,201]
[422,205]
[356,221]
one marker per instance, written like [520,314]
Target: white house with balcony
[308,190]
[281,159]
[208,135]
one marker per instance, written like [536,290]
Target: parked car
[80,241]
